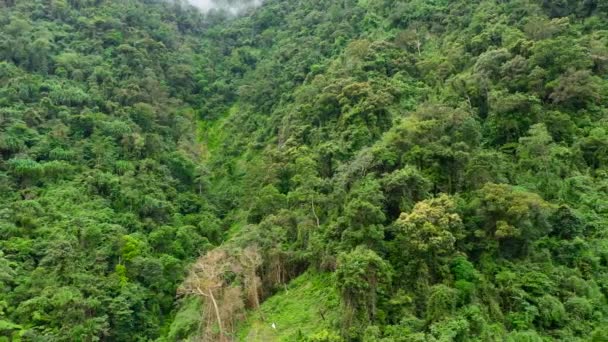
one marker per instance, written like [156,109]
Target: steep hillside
[100,181]
[445,161]
[356,170]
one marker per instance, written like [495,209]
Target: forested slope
[100,206]
[372,170]
[442,163]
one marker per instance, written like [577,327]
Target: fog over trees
[233,6]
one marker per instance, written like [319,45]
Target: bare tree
[212,278]
[251,261]
[206,279]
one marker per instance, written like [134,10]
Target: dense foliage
[445,159]
[441,165]
[100,178]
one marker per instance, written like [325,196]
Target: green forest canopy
[416,170]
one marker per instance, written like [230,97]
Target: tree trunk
[314,212]
[217,314]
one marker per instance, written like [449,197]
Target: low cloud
[232,6]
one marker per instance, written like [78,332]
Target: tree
[207,279]
[595,148]
[566,223]
[27,170]
[430,231]
[552,312]
[306,195]
[512,217]
[269,201]
[541,161]
[576,89]
[363,216]
[441,302]
[486,166]
[404,188]
[511,115]
[251,260]
[362,277]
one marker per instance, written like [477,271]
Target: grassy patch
[307,306]
[214,134]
